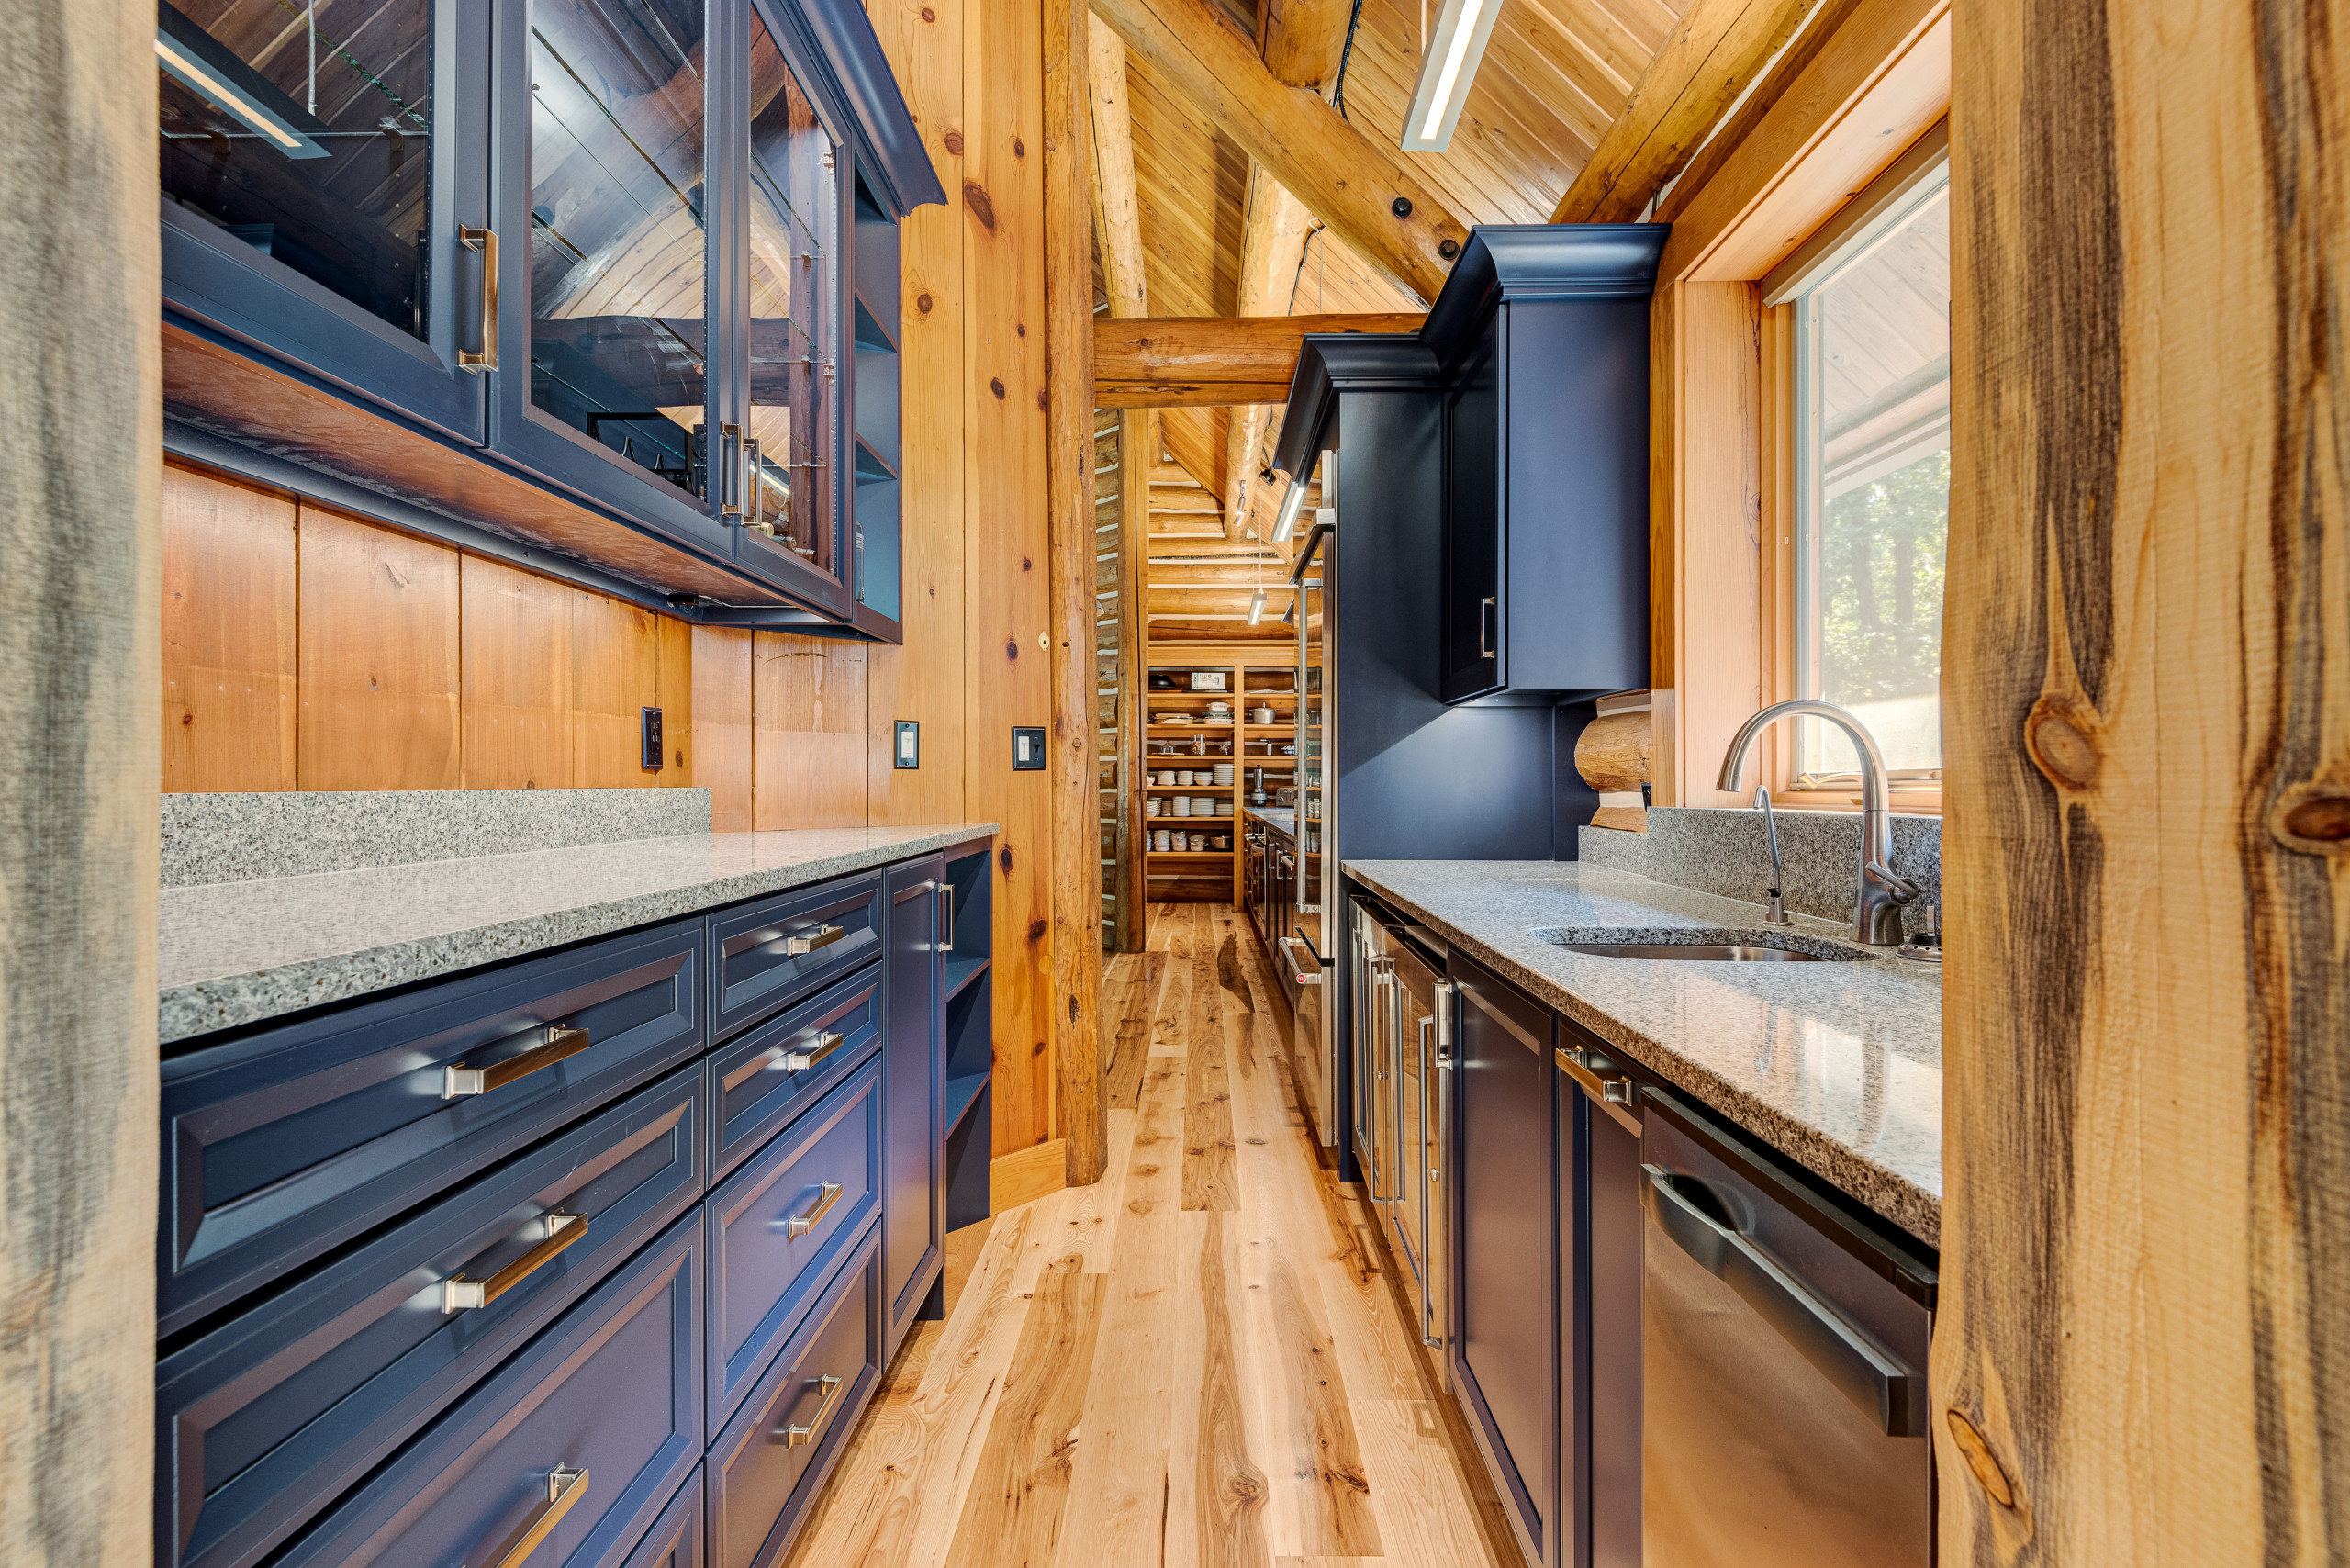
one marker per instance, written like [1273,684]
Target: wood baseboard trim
[1027,1174]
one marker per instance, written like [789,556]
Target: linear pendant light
[1286,523]
[1455,46]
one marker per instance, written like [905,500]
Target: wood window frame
[1720,460]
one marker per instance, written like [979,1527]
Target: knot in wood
[2062,737]
[1988,1472]
[2312,818]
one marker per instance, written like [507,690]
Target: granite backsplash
[1721,851]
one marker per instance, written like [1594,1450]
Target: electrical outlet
[648,748]
[1027,750]
[909,754]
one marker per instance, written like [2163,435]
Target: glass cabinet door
[791,428]
[324,184]
[619,251]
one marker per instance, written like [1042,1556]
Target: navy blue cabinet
[325,202]
[1504,1347]
[913,1241]
[515,1250]
[1543,332]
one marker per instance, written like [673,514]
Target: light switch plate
[649,740]
[1028,749]
[909,751]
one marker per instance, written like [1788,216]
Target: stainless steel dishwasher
[1407,1043]
[1782,1368]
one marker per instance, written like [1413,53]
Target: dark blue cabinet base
[648,1287]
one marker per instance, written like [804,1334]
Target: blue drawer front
[614,1388]
[762,1484]
[761,1275]
[754,1093]
[676,1539]
[271,1415]
[283,1144]
[752,970]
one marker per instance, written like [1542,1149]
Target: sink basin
[1699,944]
[1692,953]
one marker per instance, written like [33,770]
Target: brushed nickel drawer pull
[800,943]
[486,242]
[801,1224]
[730,460]
[458,1080]
[458,1292]
[946,925]
[796,1436]
[825,1044]
[566,1486]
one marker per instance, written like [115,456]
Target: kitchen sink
[1700,945]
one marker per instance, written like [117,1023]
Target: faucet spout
[1879,894]
[1775,912]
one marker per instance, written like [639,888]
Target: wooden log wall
[2146,1235]
[81,392]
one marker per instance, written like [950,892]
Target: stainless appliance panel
[1315,874]
[1419,1027]
[1783,1381]
[1371,1050]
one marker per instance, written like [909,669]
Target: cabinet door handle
[729,463]
[796,1435]
[1616,1095]
[486,242]
[457,1079]
[1302,974]
[1443,991]
[800,944]
[946,925]
[459,1294]
[566,1486]
[786,1059]
[1863,1372]
[809,1218]
[755,499]
[1485,628]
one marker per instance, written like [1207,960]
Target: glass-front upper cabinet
[325,190]
[792,242]
[606,385]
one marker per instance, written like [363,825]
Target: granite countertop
[1282,817]
[236,952]
[1836,1065]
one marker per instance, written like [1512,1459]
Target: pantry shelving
[1199,724]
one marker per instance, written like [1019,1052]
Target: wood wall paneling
[1006,603]
[615,676]
[721,724]
[674,694]
[515,708]
[923,678]
[228,642]
[378,658]
[808,732]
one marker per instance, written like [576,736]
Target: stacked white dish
[1150,806]
[1204,805]
[1182,805]
[1223,808]
[1223,773]
[1160,840]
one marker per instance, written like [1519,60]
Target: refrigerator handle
[1863,1372]
[1436,1031]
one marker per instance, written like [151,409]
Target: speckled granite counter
[1836,1065]
[232,953]
[1282,817]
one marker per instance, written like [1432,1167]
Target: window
[1871,480]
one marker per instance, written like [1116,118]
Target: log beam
[1272,247]
[1117,215]
[1174,362]
[1690,83]
[1350,181]
[1302,40]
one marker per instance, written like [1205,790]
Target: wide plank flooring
[1197,1361]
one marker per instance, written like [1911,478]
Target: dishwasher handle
[1871,1377]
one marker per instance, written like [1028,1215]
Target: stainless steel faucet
[1776,914]
[1879,894]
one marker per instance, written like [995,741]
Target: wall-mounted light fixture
[1449,62]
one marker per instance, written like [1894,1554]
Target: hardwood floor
[1198,1360]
